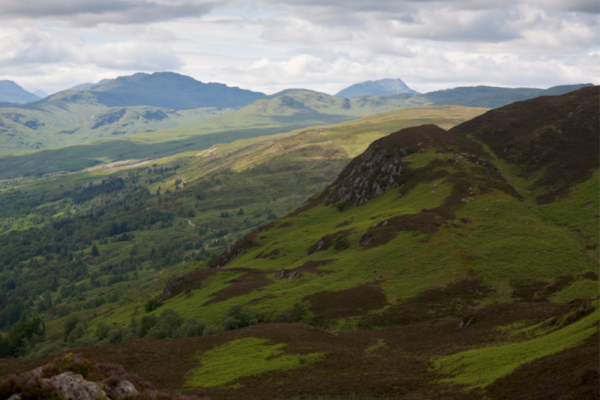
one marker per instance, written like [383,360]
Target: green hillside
[264,117]
[448,259]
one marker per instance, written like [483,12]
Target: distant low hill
[375,88]
[10,92]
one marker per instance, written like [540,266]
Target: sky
[324,45]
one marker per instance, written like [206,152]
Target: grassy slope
[314,156]
[61,122]
[501,247]
[264,117]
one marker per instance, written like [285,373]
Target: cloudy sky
[326,45]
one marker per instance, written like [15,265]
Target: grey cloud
[90,13]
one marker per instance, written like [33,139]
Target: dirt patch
[346,303]
[455,300]
[557,136]
[327,241]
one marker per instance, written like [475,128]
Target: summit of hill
[376,88]
[167,90]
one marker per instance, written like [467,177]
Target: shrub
[151,305]
[238,316]
[70,325]
[147,322]
[193,326]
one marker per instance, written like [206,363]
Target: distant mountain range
[375,88]
[168,90]
[143,103]
[10,92]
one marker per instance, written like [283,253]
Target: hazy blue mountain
[563,89]
[169,90]
[376,88]
[41,94]
[493,97]
[10,92]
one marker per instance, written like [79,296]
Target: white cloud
[90,13]
[269,45]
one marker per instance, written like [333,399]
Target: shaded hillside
[492,97]
[376,88]
[553,140]
[10,92]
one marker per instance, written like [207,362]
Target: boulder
[74,387]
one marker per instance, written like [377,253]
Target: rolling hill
[437,263]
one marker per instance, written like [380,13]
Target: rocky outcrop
[74,387]
[382,166]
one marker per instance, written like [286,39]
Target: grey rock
[74,387]
[16,396]
[125,388]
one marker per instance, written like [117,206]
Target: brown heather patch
[557,136]
[187,283]
[540,291]
[455,300]
[267,253]
[327,241]
[352,302]
[571,374]
[399,368]
[246,242]
[252,280]
[466,183]
[248,283]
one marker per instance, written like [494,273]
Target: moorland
[309,246]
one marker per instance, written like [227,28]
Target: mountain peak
[168,90]
[10,92]
[375,88]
